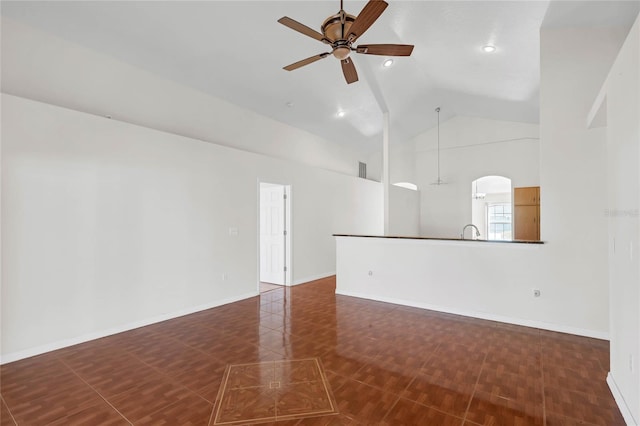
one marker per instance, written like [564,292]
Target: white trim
[288,252]
[313,278]
[622,404]
[26,353]
[484,315]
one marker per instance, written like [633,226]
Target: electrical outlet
[225,277]
[370,273]
[536,292]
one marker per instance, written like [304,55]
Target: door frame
[288,247]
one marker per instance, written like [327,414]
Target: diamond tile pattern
[272,391]
[255,359]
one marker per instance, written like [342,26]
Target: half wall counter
[495,280]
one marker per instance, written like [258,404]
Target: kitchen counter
[493,280]
[441,239]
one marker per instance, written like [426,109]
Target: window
[499,221]
[491,208]
[407,185]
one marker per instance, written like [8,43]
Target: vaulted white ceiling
[235,50]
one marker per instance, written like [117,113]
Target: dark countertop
[441,239]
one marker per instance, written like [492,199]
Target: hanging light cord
[438,111]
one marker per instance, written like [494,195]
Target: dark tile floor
[385,364]
[273,390]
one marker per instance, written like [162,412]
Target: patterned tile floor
[386,364]
[273,390]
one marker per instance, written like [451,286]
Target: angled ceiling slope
[198,45]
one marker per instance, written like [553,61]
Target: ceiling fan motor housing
[332,26]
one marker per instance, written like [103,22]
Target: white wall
[470,148]
[107,225]
[491,280]
[374,164]
[38,66]
[402,165]
[402,162]
[404,211]
[574,62]
[622,90]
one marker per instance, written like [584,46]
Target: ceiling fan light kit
[340,31]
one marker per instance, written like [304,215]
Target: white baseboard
[313,278]
[622,404]
[483,315]
[38,350]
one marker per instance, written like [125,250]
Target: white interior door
[272,233]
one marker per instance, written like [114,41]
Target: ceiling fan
[340,31]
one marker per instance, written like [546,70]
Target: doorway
[274,235]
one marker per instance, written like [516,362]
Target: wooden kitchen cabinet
[526,213]
[526,196]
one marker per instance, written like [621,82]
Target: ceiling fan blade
[304,62]
[301,28]
[371,11]
[385,49]
[349,70]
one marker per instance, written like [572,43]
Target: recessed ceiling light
[340,114]
[488,48]
[387,63]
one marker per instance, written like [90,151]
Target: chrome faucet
[465,228]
